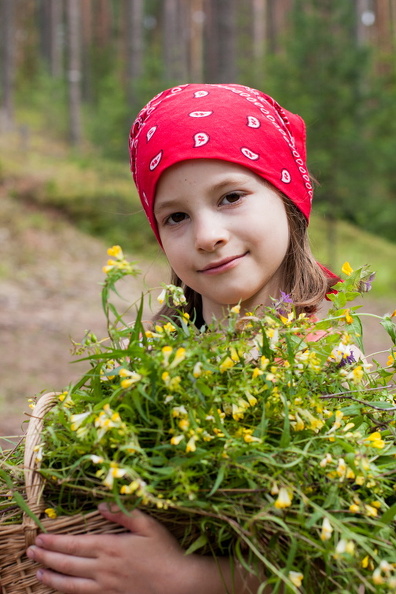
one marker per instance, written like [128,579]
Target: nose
[210,232]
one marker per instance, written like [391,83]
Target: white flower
[327,530]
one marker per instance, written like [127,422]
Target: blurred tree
[50,13]
[175,36]
[197,22]
[73,17]
[7,34]
[221,41]
[134,13]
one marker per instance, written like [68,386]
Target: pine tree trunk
[197,19]
[135,46]
[259,38]
[55,15]
[227,48]
[7,34]
[176,33]
[74,70]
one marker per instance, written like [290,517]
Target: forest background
[74,74]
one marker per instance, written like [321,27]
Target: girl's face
[224,231]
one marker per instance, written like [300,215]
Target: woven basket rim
[34,482]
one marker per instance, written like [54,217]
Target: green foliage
[41,102]
[324,75]
[274,441]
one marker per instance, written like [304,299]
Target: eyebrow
[232,179]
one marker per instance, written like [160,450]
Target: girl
[222,176]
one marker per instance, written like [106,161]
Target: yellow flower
[371,512]
[234,354]
[345,546]
[377,577]
[354,508]
[169,327]
[367,562]
[251,399]
[197,371]
[51,513]
[96,459]
[391,359]
[326,460]
[256,372]
[77,419]
[131,488]
[347,268]
[161,297]
[236,309]
[374,440]
[179,411]
[166,351]
[296,578]
[348,317]
[132,378]
[180,355]
[226,364]
[284,498]
[327,530]
[114,472]
[176,439]
[184,424]
[191,447]
[248,437]
[116,252]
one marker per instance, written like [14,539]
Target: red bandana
[227,122]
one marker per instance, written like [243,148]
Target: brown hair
[302,277]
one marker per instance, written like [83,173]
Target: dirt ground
[50,277]
[50,293]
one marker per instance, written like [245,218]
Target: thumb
[136,521]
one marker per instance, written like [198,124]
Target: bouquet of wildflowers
[265,438]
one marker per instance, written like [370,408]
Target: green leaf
[390,327]
[197,544]
[19,500]
[388,516]
[218,481]
[285,439]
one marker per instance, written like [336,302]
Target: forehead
[205,172]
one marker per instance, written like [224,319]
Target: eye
[231,198]
[175,218]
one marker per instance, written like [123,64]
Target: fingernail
[39,542]
[31,552]
[39,574]
[103,507]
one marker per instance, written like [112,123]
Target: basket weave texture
[17,571]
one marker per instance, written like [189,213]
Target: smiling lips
[222,265]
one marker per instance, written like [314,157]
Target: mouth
[222,265]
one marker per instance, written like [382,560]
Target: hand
[146,560]
[142,561]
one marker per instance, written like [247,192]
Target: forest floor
[50,294]
[50,275]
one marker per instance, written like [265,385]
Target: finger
[66,564]
[66,584]
[136,521]
[81,545]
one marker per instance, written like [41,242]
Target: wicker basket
[17,571]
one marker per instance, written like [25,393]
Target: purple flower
[365,283]
[347,360]
[285,298]
[283,305]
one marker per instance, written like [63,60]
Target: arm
[147,560]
